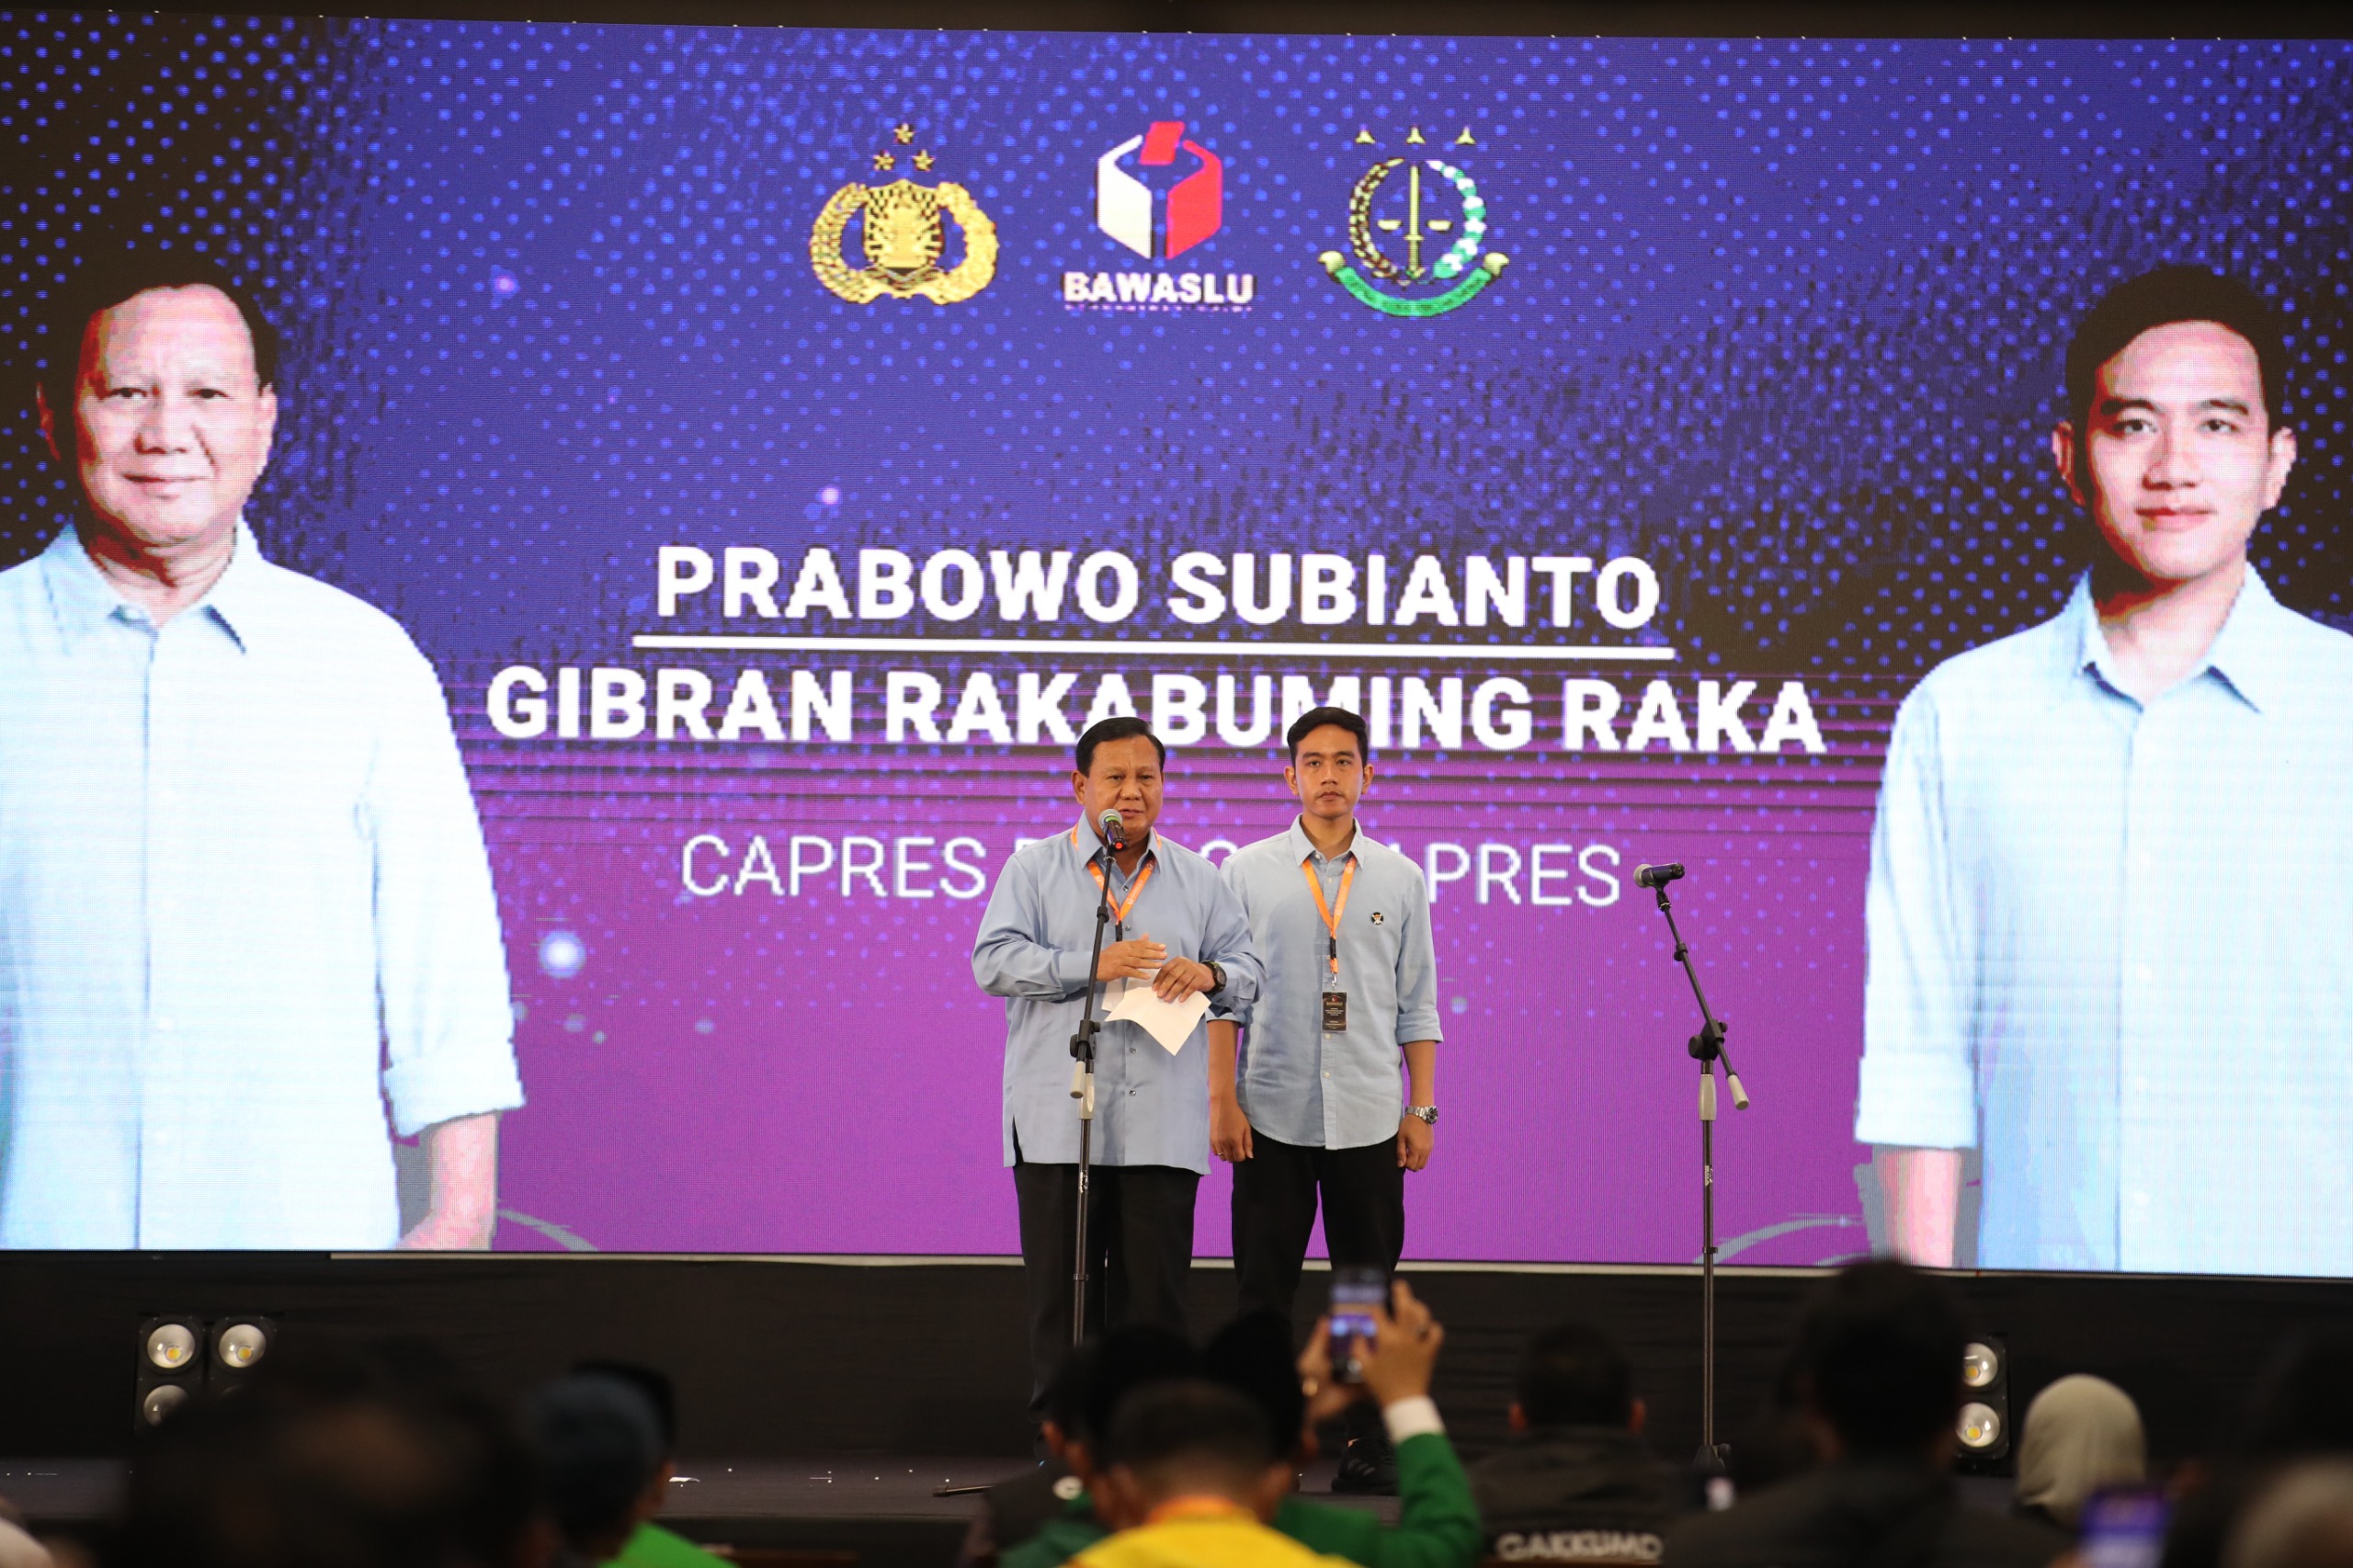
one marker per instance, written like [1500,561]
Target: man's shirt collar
[83,600]
[2253,651]
[78,597]
[1303,848]
[239,597]
[2250,654]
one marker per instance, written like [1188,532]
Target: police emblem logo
[903,236]
[1416,225]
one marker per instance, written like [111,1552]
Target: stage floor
[925,1361]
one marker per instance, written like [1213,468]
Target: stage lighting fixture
[161,1401]
[170,1367]
[239,1345]
[1984,1428]
[1981,1426]
[171,1348]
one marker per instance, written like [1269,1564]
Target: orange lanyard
[1135,889]
[1331,915]
[1119,910]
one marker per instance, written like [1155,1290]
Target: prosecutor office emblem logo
[1415,226]
[903,235]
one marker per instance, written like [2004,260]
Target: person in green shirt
[651,1546]
[606,1437]
[1087,1389]
[1438,1522]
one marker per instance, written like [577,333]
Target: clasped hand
[1141,958]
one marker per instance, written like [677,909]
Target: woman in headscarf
[2082,1434]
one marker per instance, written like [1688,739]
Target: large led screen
[780,445]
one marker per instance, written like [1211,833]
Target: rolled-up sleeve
[1225,941]
[1231,1006]
[1007,958]
[1918,1079]
[1417,972]
[441,966]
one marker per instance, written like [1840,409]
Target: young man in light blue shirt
[2112,873]
[1342,925]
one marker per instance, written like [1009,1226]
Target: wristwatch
[1428,1113]
[1217,978]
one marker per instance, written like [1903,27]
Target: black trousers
[1274,1213]
[1140,1233]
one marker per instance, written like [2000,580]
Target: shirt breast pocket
[1383,933]
[287,763]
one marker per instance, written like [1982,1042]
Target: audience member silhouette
[1878,1374]
[1576,1482]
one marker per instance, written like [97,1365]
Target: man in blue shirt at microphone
[1177,928]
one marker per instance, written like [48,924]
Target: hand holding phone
[1405,1343]
[1358,1294]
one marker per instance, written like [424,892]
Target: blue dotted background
[1785,318]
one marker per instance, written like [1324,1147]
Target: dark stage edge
[776,1358]
[861,1512]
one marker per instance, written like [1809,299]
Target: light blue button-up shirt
[2107,944]
[1152,1108]
[1296,1084]
[244,904]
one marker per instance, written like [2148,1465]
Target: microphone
[1115,832]
[1657,876]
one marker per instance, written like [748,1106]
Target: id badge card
[1336,1012]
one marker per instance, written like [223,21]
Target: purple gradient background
[1784,318]
[821,1075]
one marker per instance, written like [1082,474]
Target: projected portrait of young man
[2112,873]
[244,905]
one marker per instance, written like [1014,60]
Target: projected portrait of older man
[244,905]
[2112,874]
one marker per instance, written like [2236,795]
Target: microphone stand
[1082,1090]
[1706,1047]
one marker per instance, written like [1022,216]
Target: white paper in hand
[1170,1023]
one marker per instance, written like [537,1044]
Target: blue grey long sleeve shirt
[245,910]
[1152,1108]
[1297,1083]
[2106,944]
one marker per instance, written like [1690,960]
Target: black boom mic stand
[1082,1090]
[1707,1048]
